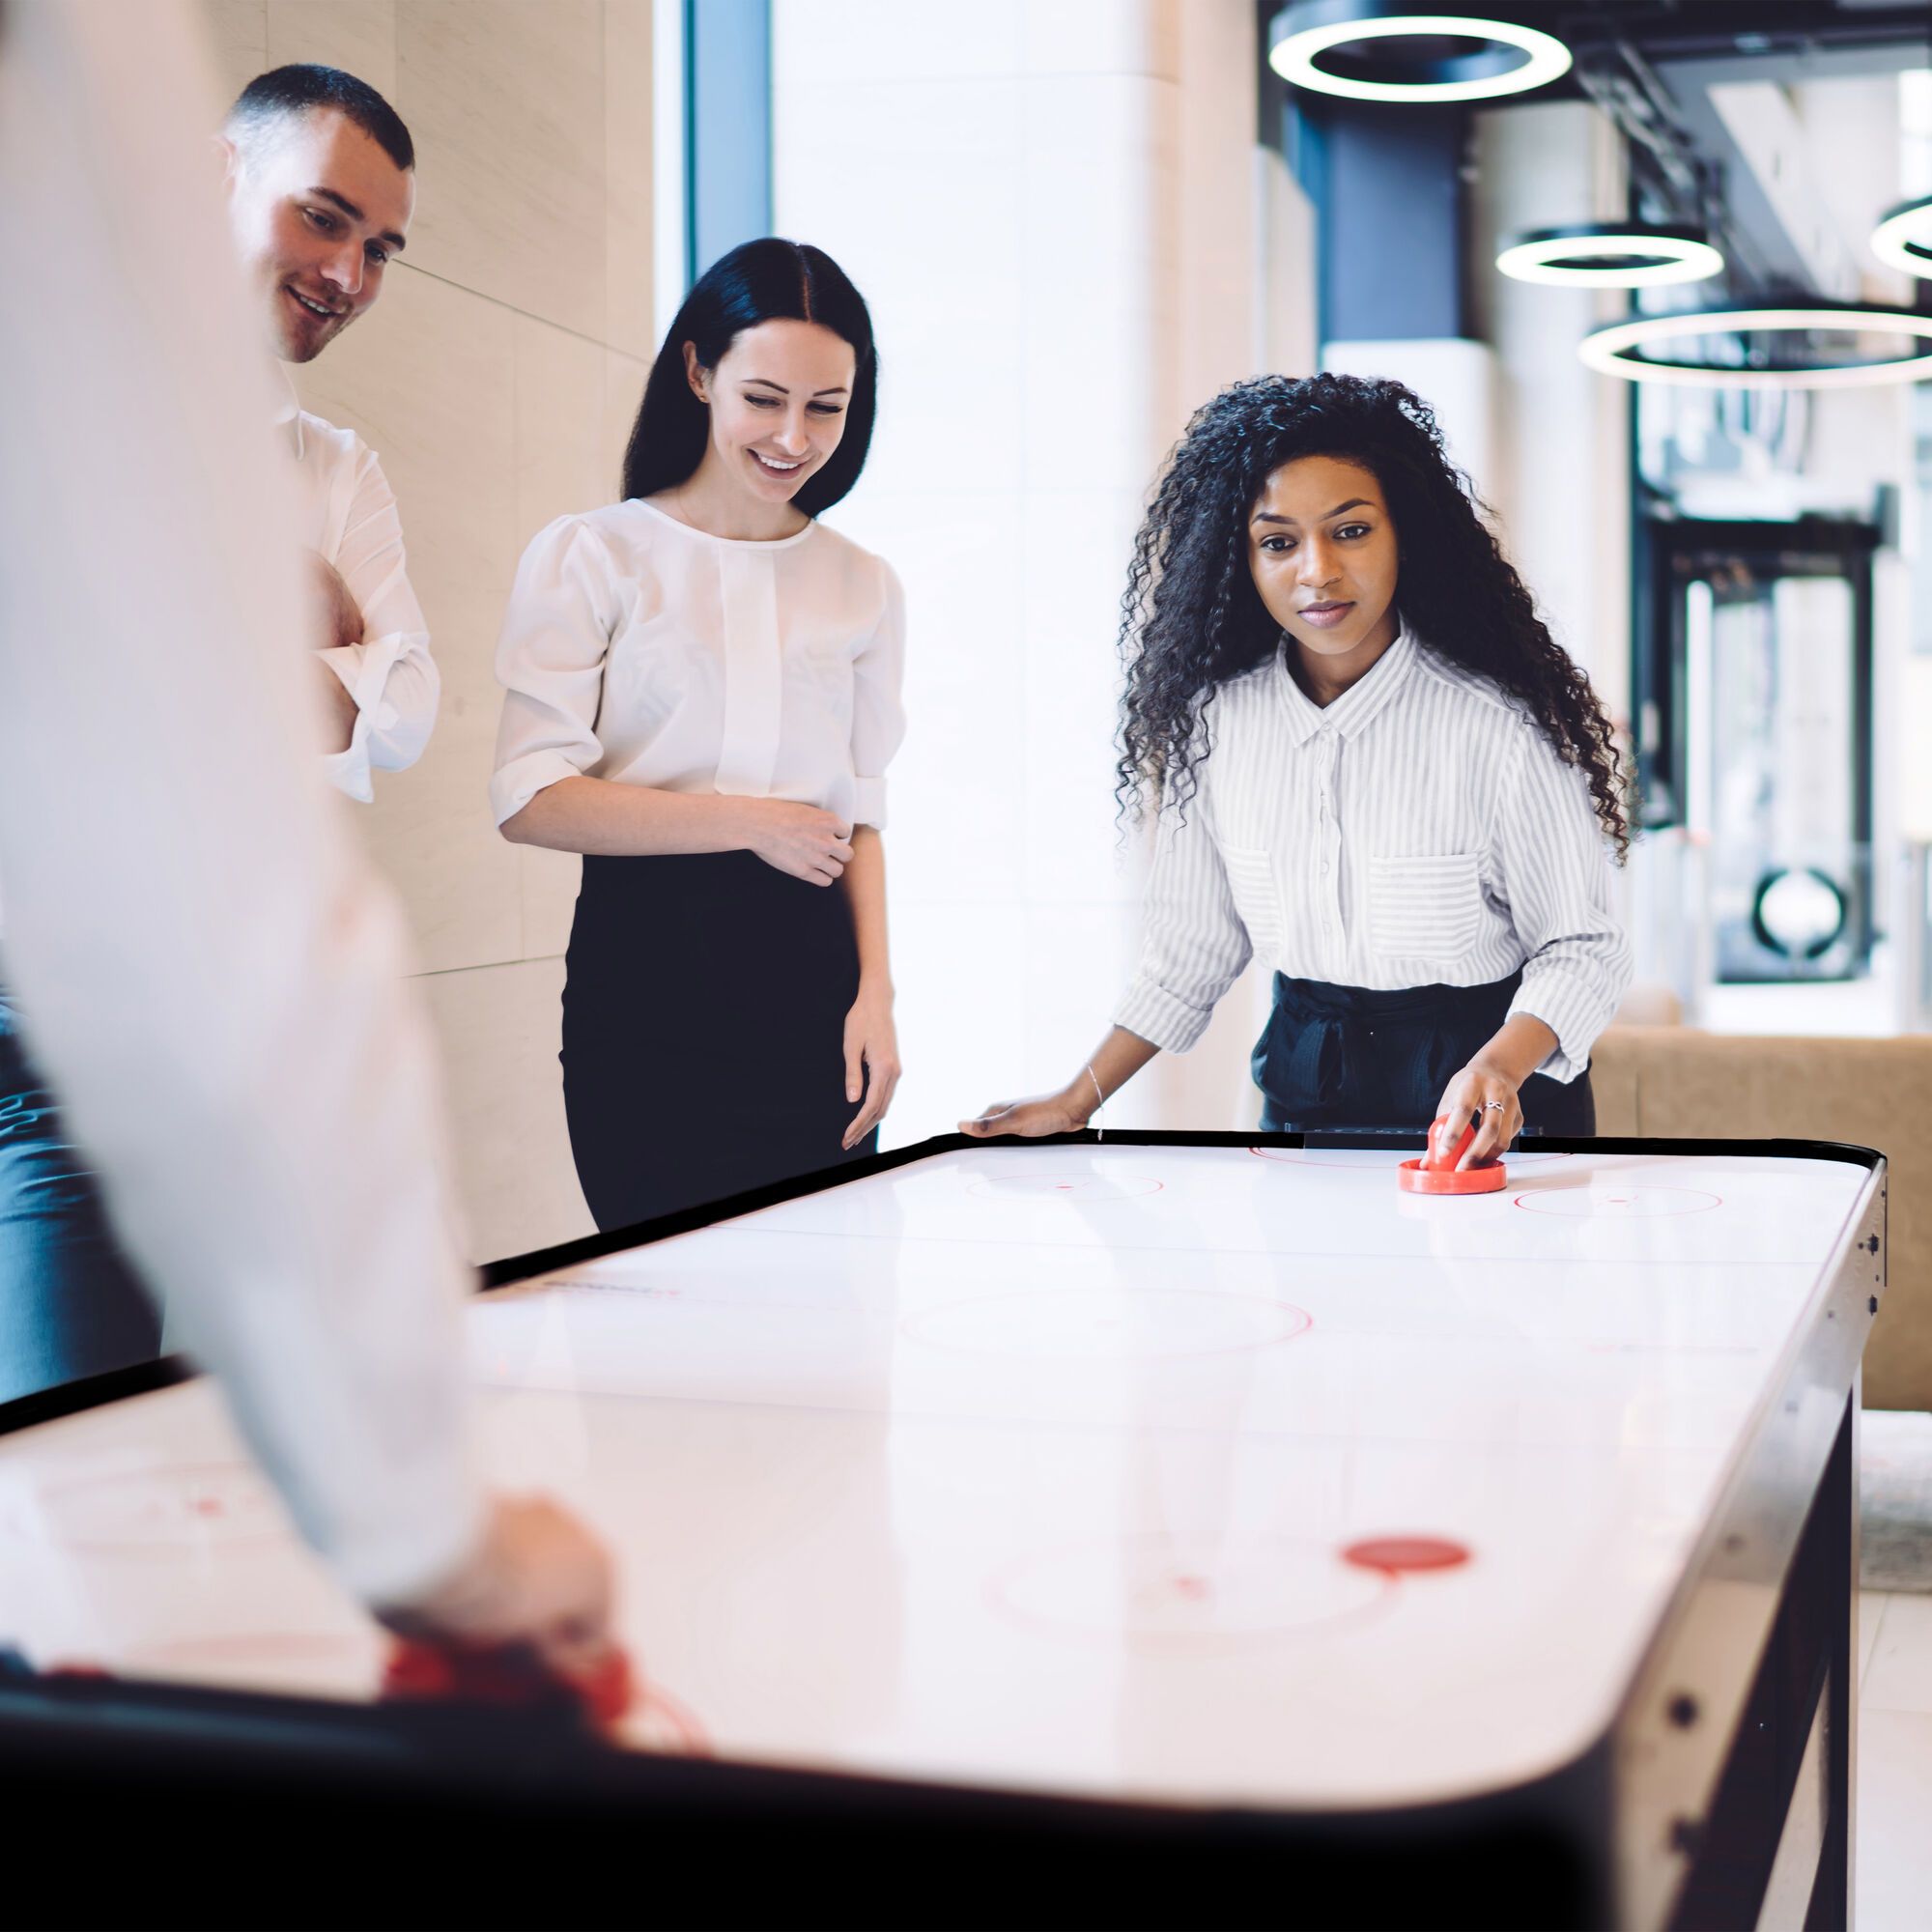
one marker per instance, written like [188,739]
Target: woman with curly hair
[1373,766]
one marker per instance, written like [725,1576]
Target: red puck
[1414,1177]
[1397,1555]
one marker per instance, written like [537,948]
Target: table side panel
[1680,1724]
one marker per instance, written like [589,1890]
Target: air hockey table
[1177,1528]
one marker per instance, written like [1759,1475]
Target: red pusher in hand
[1436,1173]
[506,1675]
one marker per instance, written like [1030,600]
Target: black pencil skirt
[1343,1057]
[704,1030]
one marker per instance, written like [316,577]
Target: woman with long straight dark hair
[704,695]
[1373,768]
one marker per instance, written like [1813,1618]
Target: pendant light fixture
[1611,255]
[1373,50]
[1903,239]
[1613,349]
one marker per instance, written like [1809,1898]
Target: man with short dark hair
[321,183]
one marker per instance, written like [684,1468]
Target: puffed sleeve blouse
[643,651]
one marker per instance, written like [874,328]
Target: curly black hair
[1191,618]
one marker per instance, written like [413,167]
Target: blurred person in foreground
[318,173]
[215,976]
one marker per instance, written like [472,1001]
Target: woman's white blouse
[641,650]
[1417,831]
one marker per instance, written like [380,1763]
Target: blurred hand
[540,1582]
[341,618]
[1046,1114]
[811,845]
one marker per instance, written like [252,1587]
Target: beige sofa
[1671,1082]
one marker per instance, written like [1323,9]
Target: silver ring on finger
[1499,1105]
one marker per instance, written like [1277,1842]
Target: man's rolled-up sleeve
[390,675]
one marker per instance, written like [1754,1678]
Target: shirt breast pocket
[1425,908]
[1256,899]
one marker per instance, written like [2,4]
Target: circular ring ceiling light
[1903,240]
[1332,46]
[1611,255]
[1609,350]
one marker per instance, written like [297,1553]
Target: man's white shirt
[348,518]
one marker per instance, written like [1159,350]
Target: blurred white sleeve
[213,975]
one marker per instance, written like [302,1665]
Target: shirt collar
[288,410]
[1364,700]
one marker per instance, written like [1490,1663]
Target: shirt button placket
[1331,857]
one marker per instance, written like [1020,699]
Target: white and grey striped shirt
[1418,830]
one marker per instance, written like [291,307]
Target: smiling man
[321,183]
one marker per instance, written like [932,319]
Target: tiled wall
[497,379]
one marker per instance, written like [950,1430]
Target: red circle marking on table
[1583,1202]
[1397,1556]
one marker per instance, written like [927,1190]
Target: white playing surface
[1034,1467]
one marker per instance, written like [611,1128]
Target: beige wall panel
[430,827]
[500,1027]
[505,100]
[629,320]
[561,465]
[237,35]
[548,884]
[427,379]
[431,834]
[559,425]
[357,36]
[624,379]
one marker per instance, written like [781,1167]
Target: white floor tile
[1871,1614]
[1895,1851]
[1899,1674]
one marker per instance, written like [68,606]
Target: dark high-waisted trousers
[1342,1057]
[70,1305]
[704,1030]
